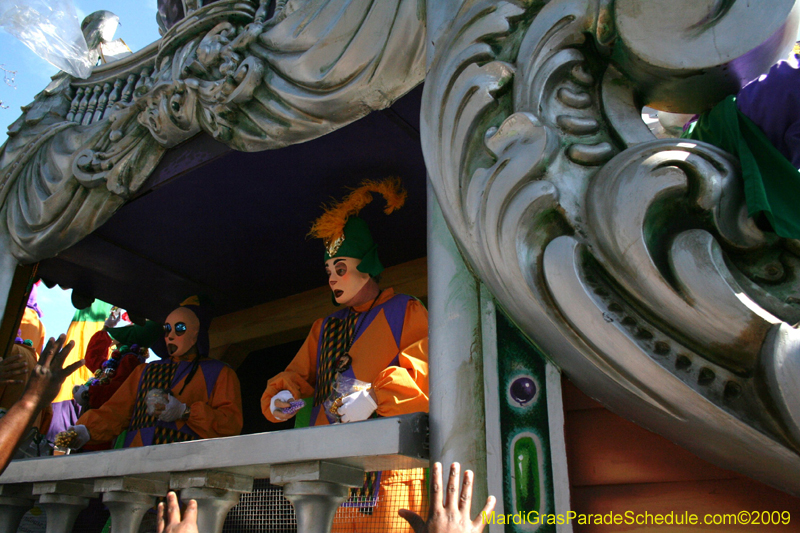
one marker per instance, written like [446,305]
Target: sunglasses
[180,329]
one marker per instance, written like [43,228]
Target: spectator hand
[169,519]
[173,410]
[281,401]
[48,375]
[357,406]
[12,368]
[453,515]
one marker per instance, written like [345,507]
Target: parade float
[608,327]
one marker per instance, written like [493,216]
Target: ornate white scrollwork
[84,147]
[631,261]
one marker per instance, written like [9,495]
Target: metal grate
[265,510]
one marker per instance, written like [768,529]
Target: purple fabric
[395,313]
[65,414]
[147,435]
[394,309]
[211,369]
[32,299]
[772,101]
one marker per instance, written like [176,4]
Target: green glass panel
[526,470]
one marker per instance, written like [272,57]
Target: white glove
[82,438]
[357,406]
[77,393]
[282,396]
[173,411]
[113,318]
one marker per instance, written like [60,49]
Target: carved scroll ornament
[629,260]
[255,83]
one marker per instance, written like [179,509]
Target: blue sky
[137,28]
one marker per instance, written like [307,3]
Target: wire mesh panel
[376,511]
[266,510]
[261,511]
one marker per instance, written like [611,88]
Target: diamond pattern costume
[213,395]
[390,351]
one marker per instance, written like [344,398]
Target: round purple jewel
[523,390]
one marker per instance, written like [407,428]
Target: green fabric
[120,442]
[771,183]
[142,335]
[97,312]
[358,243]
[302,419]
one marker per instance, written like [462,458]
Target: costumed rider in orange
[368,359]
[183,397]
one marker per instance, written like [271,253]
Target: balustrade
[215,472]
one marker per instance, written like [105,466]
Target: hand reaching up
[48,375]
[12,370]
[44,384]
[450,512]
[169,516]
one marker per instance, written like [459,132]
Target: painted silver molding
[629,260]
[83,147]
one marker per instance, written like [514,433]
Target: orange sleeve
[113,417]
[221,416]
[403,389]
[299,377]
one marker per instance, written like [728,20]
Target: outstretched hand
[48,375]
[12,369]
[169,516]
[450,514]
[44,384]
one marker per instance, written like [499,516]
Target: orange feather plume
[330,226]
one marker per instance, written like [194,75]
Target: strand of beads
[25,342]
[103,375]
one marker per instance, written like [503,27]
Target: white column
[15,501]
[216,493]
[457,412]
[128,498]
[62,501]
[8,265]
[11,512]
[316,490]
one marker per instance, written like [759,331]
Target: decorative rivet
[601,292]
[732,390]
[661,348]
[706,376]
